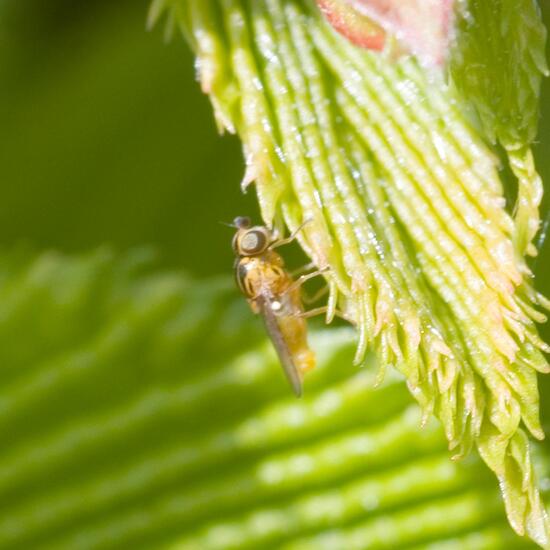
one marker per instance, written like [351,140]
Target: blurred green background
[105,138]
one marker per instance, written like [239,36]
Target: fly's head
[250,240]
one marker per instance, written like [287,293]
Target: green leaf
[168,423]
[498,63]
[405,203]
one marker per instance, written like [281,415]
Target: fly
[271,292]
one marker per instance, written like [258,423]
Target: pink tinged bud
[423,27]
[357,28]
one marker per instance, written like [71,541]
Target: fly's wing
[276,336]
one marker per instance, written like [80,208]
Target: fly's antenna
[227,224]
[240,222]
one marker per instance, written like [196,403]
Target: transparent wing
[272,326]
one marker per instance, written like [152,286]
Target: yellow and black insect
[272,293]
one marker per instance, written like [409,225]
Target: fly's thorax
[246,275]
[262,275]
[273,258]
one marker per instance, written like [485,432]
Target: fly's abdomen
[294,330]
[305,360]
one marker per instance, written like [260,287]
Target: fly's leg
[332,300]
[254,306]
[303,278]
[290,238]
[301,270]
[313,312]
[331,288]
[321,311]
[312,299]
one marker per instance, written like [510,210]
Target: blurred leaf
[105,138]
[168,421]
[498,64]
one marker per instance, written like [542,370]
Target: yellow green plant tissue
[396,165]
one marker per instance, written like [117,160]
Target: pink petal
[357,28]
[423,26]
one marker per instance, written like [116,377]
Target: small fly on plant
[271,292]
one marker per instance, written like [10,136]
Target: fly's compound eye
[252,242]
[235,243]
